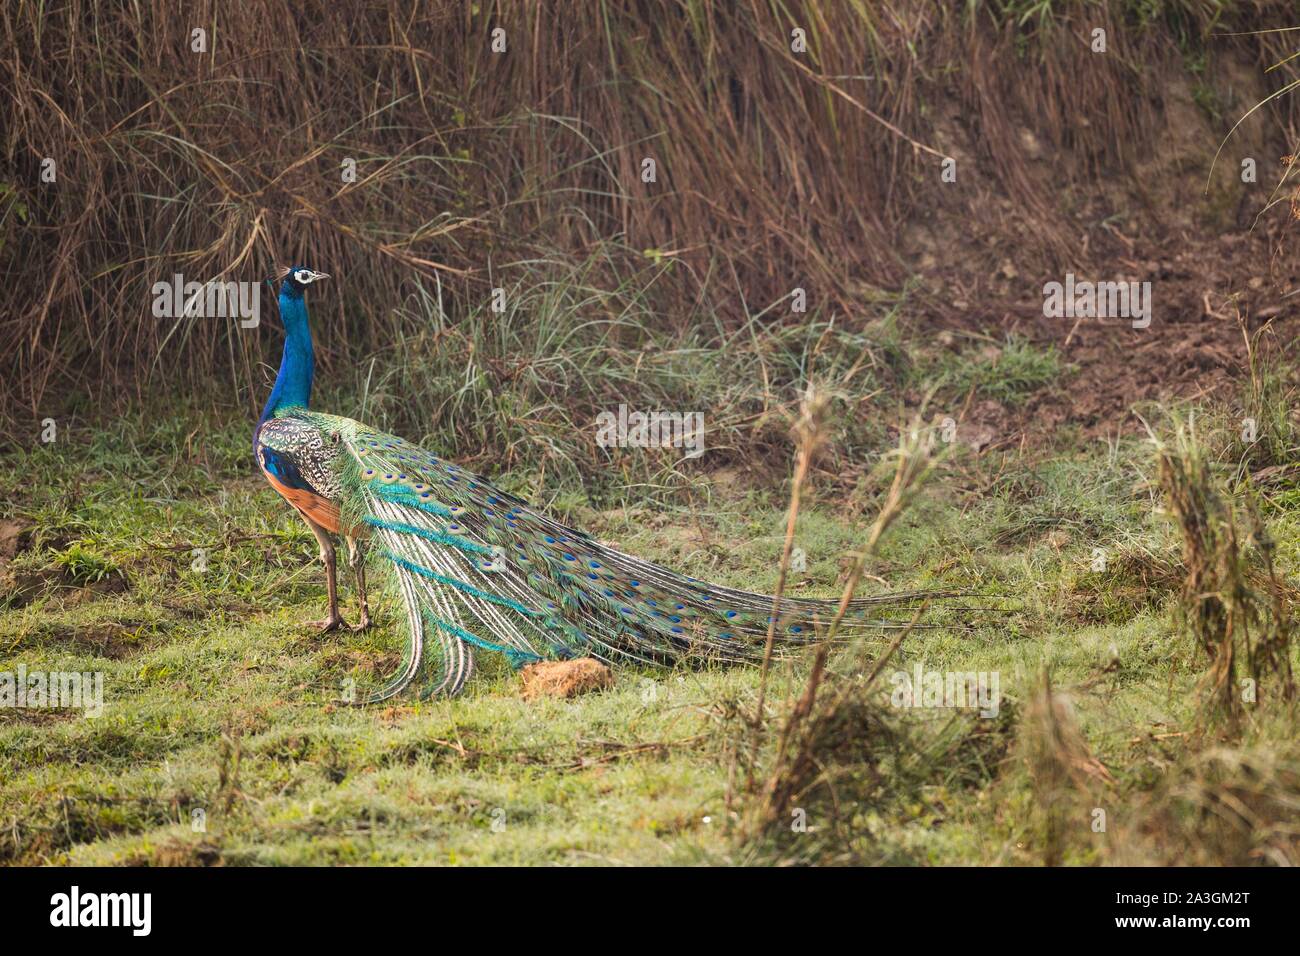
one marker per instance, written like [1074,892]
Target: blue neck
[293,383]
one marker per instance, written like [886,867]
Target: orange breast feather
[319,510]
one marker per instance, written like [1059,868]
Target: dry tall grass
[774,169]
[1233,602]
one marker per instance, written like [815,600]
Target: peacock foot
[331,623]
[362,624]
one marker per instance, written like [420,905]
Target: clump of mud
[565,678]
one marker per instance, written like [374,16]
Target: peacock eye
[302,275]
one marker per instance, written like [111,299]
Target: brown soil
[12,535]
[1209,262]
[176,852]
[1193,349]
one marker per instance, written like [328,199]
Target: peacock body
[478,568]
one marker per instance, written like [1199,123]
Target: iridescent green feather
[477,567]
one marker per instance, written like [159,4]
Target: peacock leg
[357,561]
[333,620]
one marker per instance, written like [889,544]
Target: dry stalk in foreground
[793,772]
[1221,605]
[1064,775]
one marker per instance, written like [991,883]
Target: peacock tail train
[477,568]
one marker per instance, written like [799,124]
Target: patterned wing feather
[479,568]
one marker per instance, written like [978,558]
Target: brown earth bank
[776,168]
[1217,250]
[1208,294]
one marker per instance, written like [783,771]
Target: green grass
[218,699]
[1007,373]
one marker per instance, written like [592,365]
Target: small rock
[1030,144]
[978,436]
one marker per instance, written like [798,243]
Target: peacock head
[294,279]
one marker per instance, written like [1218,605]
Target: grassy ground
[140,543]
[162,562]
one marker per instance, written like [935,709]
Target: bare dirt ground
[1218,251]
[1205,293]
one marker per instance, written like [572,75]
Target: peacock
[477,568]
